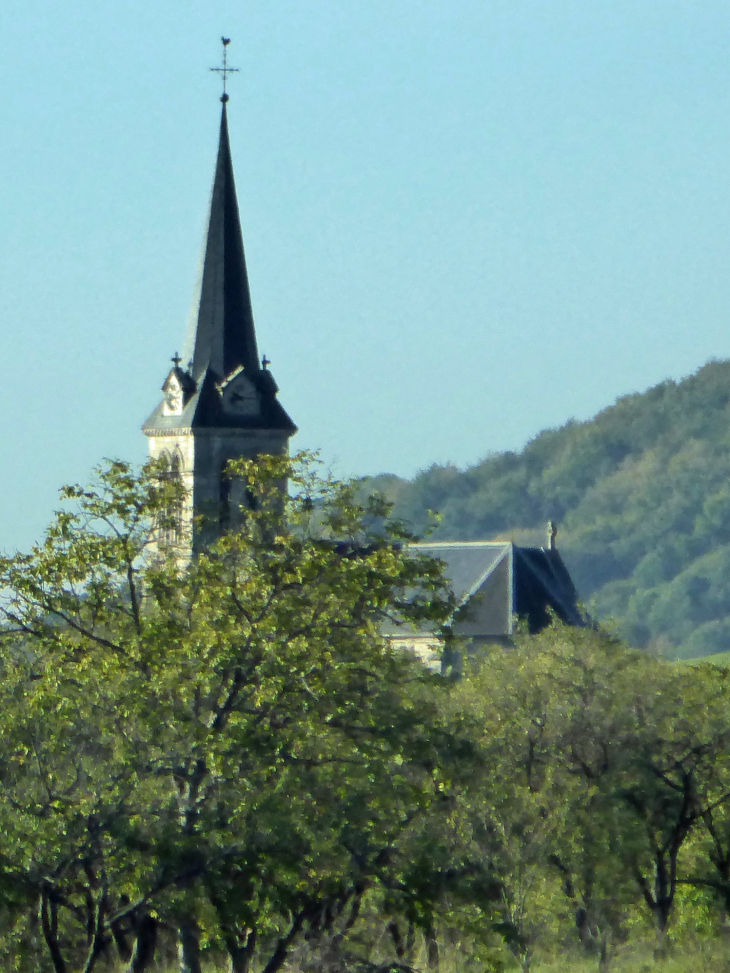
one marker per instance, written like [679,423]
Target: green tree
[672,771]
[515,808]
[223,744]
[602,764]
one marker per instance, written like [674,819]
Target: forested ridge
[641,493]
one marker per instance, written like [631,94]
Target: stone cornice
[235,433]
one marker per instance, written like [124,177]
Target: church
[220,402]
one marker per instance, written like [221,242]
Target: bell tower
[219,400]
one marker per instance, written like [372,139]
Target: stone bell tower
[219,401]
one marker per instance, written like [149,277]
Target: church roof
[203,409]
[468,563]
[542,584]
[493,581]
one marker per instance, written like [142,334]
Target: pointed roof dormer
[177,389]
[223,337]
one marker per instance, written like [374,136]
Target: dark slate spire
[223,386]
[224,337]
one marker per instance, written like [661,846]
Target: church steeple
[223,337]
[222,404]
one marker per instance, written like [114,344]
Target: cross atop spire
[225,70]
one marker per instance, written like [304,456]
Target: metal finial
[225,70]
[265,362]
[176,359]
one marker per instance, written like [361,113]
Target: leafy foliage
[221,756]
[223,745]
[607,790]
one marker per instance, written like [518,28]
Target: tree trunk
[121,931]
[121,941]
[720,858]
[604,956]
[332,954]
[279,956]
[240,956]
[399,945]
[145,941]
[240,943]
[49,925]
[432,951]
[410,946]
[239,960]
[96,928]
[660,898]
[188,946]
[662,934]
[662,909]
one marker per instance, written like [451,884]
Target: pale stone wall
[425,647]
[203,455]
[178,445]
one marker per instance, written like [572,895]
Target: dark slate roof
[541,582]
[468,563]
[480,574]
[202,410]
[222,335]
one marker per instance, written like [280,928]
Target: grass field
[718,659]
[704,958]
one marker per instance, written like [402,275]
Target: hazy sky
[465,220]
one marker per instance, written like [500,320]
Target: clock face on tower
[239,397]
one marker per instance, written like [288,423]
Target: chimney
[552,533]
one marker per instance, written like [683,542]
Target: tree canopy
[220,758]
[221,745]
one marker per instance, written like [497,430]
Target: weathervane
[225,70]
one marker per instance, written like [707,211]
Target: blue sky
[465,220]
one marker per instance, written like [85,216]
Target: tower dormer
[222,403]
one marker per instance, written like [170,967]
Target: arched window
[171,530]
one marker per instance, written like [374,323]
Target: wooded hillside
[642,496]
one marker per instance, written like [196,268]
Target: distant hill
[642,497]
